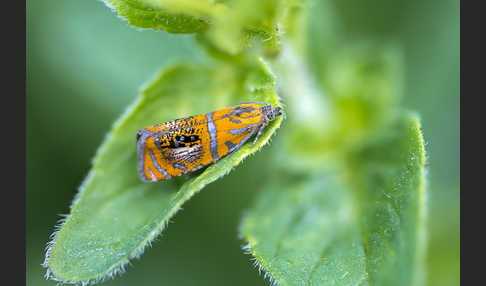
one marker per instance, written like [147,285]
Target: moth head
[271,112]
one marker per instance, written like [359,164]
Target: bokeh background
[85,65]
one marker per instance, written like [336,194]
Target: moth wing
[184,160]
[164,163]
[235,126]
[149,166]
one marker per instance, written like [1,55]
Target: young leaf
[236,26]
[358,225]
[229,27]
[155,15]
[357,93]
[115,215]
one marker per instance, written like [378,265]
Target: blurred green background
[85,65]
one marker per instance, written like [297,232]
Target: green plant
[346,204]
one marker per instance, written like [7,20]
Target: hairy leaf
[157,15]
[361,224]
[115,215]
[228,27]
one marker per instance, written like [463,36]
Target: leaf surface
[159,16]
[359,224]
[229,27]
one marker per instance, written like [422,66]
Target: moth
[185,145]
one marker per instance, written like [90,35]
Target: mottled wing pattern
[185,145]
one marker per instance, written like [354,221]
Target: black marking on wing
[230,146]
[183,141]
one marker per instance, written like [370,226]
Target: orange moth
[185,145]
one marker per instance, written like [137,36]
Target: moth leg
[188,176]
[260,130]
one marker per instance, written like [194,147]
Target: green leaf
[162,16]
[115,215]
[388,179]
[356,95]
[348,88]
[359,224]
[226,26]
[238,25]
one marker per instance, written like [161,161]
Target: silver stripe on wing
[212,135]
[154,161]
